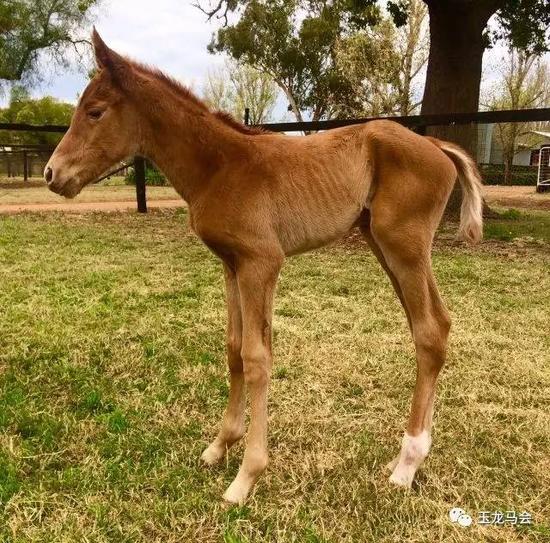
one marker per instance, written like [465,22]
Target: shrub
[493,174]
[153,177]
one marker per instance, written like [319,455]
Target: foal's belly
[307,223]
[306,237]
[319,197]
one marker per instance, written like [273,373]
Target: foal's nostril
[48,175]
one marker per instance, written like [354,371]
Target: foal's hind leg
[406,251]
[364,226]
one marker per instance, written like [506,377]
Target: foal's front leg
[232,427]
[256,279]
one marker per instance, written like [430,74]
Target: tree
[236,87]
[413,51]
[369,64]
[382,64]
[30,27]
[323,63]
[524,83]
[458,39]
[459,36]
[23,109]
[295,44]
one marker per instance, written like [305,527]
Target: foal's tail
[471,211]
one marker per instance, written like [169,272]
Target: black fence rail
[23,127]
[418,122]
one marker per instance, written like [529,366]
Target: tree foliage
[381,65]
[524,24]
[294,42]
[23,109]
[319,51]
[29,27]
[236,87]
[331,59]
[369,65]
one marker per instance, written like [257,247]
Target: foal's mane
[185,93]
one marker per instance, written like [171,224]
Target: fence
[543,180]
[23,160]
[418,123]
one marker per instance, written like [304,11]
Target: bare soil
[519,197]
[84,207]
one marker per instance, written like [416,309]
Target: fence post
[139,168]
[25,166]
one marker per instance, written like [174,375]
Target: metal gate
[543,179]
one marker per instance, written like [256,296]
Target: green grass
[113,380]
[514,224]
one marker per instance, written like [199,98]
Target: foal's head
[104,129]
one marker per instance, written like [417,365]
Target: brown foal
[256,197]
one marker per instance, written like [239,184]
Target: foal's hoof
[403,475]
[236,494]
[212,455]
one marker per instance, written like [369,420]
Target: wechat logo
[460,517]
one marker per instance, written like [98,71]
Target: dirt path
[520,197]
[86,207]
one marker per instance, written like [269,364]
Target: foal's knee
[257,362]
[444,321]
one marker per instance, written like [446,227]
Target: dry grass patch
[113,381]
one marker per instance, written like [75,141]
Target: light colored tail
[471,211]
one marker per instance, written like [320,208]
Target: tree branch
[210,13]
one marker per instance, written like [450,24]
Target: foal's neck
[186,141]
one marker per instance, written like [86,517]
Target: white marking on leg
[213,453]
[414,450]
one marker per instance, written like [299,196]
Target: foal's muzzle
[67,186]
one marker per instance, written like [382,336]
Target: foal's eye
[95,114]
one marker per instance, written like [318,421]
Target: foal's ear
[101,51]
[107,59]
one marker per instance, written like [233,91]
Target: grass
[514,224]
[112,381]
[13,192]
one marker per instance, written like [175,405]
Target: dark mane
[187,94]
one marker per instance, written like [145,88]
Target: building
[489,148]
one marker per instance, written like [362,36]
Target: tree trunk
[453,77]
[508,161]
